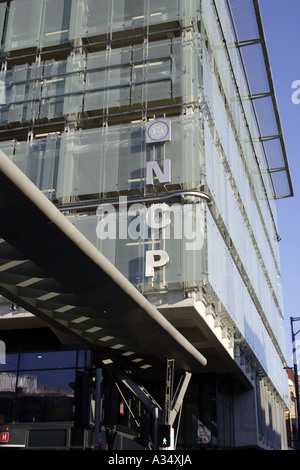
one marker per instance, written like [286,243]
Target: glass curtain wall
[110,161]
[207,415]
[251,291]
[101,83]
[44,23]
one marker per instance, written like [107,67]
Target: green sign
[164,435]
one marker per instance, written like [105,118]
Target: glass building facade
[80,85]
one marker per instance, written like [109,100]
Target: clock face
[158,130]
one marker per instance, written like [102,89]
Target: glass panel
[153,71]
[129,258]
[193,243]
[8,148]
[3,7]
[23,29]
[3,115]
[21,156]
[5,83]
[125,13]
[95,79]
[87,225]
[117,97]
[158,69]
[266,117]
[17,93]
[163,11]
[94,101]
[22,92]
[151,92]
[33,92]
[87,19]
[42,164]
[74,84]
[111,161]
[118,76]
[80,164]
[131,160]
[55,29]
[53,89]
[119,56]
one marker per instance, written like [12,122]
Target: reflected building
[153,127]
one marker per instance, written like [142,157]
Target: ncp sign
[138,221]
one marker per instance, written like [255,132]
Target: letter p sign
[155,259]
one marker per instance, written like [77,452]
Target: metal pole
[97,407]
[296,379]
[155,436]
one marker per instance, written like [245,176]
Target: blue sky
[281,23]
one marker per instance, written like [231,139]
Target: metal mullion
[91,90]
[86,70]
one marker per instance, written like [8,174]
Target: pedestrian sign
[164,435]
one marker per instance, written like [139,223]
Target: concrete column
[245,421]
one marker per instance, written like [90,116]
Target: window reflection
[8,382]
[45,396]
[11,362]
[38,388]
[48,360]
